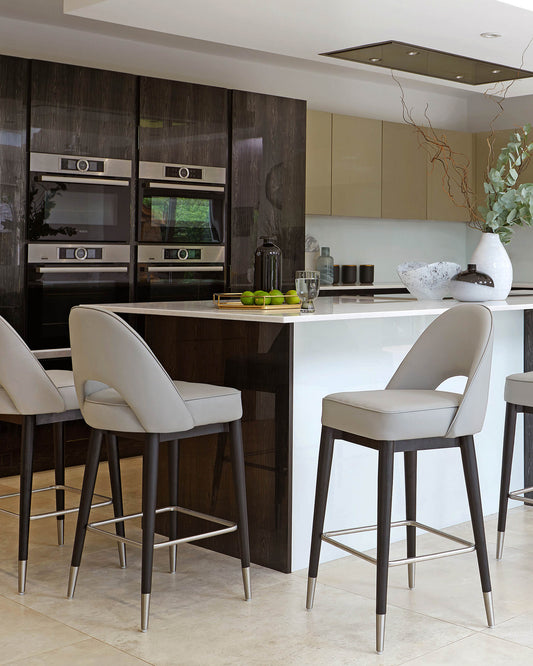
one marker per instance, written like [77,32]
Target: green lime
[291,297]
[261,297]
[277,297]
[247,298]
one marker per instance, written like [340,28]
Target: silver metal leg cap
[380,633]
[499,545]
[247,583]
[173,558]
[311,586]
[411,575]
[23,566]
[489,608]
[60,532]
[72,578]
[145,611]
[122,555]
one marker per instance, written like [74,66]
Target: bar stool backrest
[458,343]
[27,389]
[108,353]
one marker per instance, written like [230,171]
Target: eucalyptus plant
[508,204]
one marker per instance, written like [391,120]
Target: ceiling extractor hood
[429,62]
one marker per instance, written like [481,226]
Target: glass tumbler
[307,287]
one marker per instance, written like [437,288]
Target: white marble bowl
[428,282]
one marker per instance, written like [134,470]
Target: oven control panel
[210,254]
[47,253]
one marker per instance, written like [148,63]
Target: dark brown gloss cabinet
[267,182]
[13,132]
[82,111]
[183,123]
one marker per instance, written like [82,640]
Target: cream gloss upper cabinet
[318,163]
[403,186]
[356,167]
[439,203]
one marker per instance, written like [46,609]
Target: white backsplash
[387,243]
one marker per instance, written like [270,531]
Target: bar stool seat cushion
[391,414]
[206,403]
[64,381]
[519,389]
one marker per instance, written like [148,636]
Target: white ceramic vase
[491,257]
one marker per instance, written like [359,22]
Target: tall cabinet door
[13,114]
[318,163]
[82,111]
[183,123]
[268,182]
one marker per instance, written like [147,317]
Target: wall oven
[63,275]
[181,204]
[83,199]
[179,273]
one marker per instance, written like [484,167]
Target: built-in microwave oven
[181,204]
[80,199]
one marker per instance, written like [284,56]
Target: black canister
[267,271]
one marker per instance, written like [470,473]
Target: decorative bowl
[428,282]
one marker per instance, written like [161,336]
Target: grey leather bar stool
[32,396]
[518,397]
[411,415]
[122,388]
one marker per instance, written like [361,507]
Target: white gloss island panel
[349,355]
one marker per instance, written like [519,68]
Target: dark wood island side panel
[257,359]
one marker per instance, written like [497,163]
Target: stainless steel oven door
[181,213]
[78,208]
[179,283]
[54,289]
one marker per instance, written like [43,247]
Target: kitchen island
[284,362]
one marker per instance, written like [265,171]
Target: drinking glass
[307,287]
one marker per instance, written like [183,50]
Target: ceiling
[302,29]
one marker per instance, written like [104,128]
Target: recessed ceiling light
[375,59]
[459,76]
[496,71]
[490,35]
[413,53]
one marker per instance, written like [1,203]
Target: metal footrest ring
[229,526]
[518,495]
[49,514]
[468,546]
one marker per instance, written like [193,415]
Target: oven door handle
[93,268]
[190,188]
[89,181]
[185,269]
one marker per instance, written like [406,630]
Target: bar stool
[411,415]
[518,396]
[122,388]
[31,396]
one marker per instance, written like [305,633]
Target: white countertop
[327,309]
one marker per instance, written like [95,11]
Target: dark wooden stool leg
[149,503]
[410,511]
[173,473]
[507,462]
[239,481]
[59,456]
[217,470]
[87,490]
[385,476]
[26,478]
[113,461]
[468,454]
[325,458]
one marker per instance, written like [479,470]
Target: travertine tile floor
[198,615]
